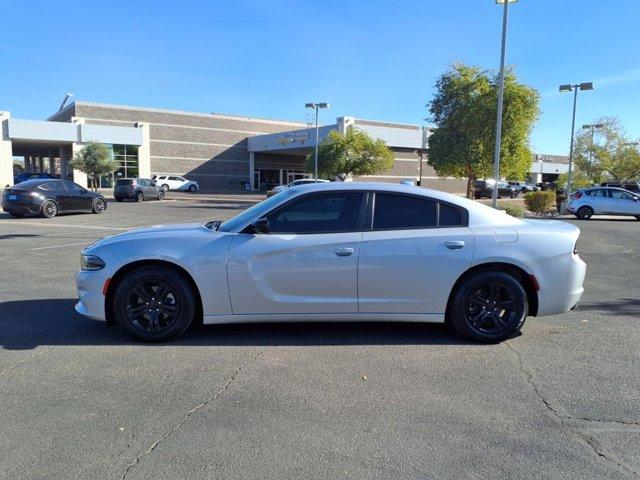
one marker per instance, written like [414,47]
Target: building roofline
[66,107]
[387,122]
[184,112]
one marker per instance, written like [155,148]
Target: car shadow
[618,307]
[28,324]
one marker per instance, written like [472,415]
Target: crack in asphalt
[568,422]
[26,359]
[177,426]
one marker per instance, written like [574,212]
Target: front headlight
[91,262]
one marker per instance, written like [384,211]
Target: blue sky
[373,59]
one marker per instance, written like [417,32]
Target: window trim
[371,212]
[275,210]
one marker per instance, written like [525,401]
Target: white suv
[174,182]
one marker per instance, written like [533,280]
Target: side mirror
[261,225]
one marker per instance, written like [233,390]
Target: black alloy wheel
[99,206]
[154,304]
[489,307]
[139,197]
[49,209]
[584,213]
[160,194]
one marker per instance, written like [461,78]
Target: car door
[623,203]
[416,250]
[598,200]
[76,197]
[306,263]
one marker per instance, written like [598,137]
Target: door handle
[454,244]
[343,252]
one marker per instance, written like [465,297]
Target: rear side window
[597,193]
[451,216]
[49,186]
[124,183]
[396,212]
[177,179]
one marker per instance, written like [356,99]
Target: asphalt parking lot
[291,401]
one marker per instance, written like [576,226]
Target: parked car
[24,176]
[295,183]
[524,187]
[174,182]
[587,202]
[48,197]
[631,186]
[338,252]
[484,188]
[138,189]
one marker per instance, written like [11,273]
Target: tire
[49,209]
[16,214]
[165,187]
[488,307]
[99,206]
[174,313]
[139,197]
[193,189]
[515,194]
[584,213]
[160,194]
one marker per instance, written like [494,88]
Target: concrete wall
[208,148]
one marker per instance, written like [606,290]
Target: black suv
[137,189]
[485,189]
[631,186]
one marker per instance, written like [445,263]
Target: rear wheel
[165,187]
[139,197]
[154,304]
[584,213]
[193,188]
[49,209]
[514,194]
[160,194]
[488,307]
[99,206]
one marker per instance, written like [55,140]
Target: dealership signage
[292,137]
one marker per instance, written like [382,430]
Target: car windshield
[256,211]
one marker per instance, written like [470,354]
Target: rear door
[78,197]
[416,250]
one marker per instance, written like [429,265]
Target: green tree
[464,110]
[95,160]
[611,155]
[17,168]
[354,153]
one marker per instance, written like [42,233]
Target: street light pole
[575,88]
[316,106]
[496,157]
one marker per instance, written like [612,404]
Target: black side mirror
[261,225]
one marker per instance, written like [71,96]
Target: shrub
[540,202]
[513,210]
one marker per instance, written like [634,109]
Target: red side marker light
[535,283]
[105,287]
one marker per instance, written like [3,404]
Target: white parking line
[67,225]
[60,246]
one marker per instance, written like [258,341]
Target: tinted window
[621,194]
[178,179]
[73,187]
[323,213]
[597,193]
[123,183]
[395,212]
[451,216]
[49,186]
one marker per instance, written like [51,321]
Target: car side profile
[49,197]
[175,182]
[138,189]
[588,202]
[484,188]
[337,252]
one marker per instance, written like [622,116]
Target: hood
[176,230]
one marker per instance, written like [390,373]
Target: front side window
[73,187]
[321,213]
[597,193]
[619,194]
[397,212]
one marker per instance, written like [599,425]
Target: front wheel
[584,213]
[154,304]
[193,188]
[49,209]
[139,197]
[488,307]
[165,187]
[99,206]
[160,194]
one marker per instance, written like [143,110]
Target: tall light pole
[496,156]
[316,106]
[593,127]
[567,88]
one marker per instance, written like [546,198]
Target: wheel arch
[129,267]
[524,278]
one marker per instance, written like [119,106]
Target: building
[221,152]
